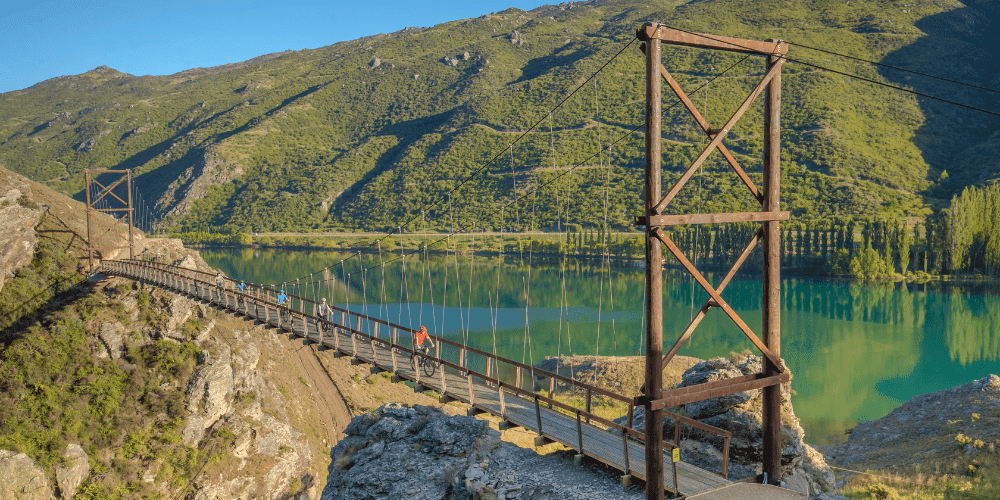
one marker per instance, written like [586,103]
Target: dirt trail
[328,399]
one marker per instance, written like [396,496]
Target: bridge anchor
[542,441]
[507,424]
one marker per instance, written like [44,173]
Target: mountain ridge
[274,143]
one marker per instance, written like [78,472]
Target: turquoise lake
[855,351]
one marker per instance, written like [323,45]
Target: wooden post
[625,449]
[472,391]
[538,414]
[395,368]
[503,403]
[771,310]
[654,273]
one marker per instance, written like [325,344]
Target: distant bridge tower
[105,196]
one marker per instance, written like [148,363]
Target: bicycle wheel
[429,366]
[413,363]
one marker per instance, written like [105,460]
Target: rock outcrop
[804,468]
[18,218]
[419,452]
[21,479]
[77,468]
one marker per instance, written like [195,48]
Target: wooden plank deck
[465,385]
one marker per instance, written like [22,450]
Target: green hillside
[366,133]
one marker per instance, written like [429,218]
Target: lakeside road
[369,235]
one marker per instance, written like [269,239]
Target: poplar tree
[903,247]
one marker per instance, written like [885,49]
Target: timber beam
[650,31]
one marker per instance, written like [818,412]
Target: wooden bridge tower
[104,192]
[654,398]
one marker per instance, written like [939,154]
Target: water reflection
[856,351]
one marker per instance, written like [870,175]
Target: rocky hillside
[316,139]
[116,390]
[926,430]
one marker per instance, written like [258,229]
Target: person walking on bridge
[419,338]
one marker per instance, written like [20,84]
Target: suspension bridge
[508,388]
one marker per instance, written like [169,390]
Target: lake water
[855,351]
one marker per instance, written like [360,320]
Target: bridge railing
[354,324]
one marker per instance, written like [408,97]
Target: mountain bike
[427,364]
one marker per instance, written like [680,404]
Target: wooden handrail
[513,388]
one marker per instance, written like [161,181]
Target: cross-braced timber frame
[104,192]
[654,398]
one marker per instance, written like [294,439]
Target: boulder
[112,335]
[401,452]
[77,468]
[21,479]
[210,394]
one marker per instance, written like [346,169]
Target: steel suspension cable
[476,172]
[496,311]
[988,89]
[600,295]
[850,75]
[620,138]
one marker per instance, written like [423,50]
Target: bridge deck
[464,385]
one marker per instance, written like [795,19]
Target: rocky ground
[926,431]
[421,452]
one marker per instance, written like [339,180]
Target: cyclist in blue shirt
[242,287]
[283,301]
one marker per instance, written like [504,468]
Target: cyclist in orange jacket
[420,337]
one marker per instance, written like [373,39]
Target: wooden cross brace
[716,136]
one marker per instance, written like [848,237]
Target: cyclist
[242,287]
[418,340]
[219,281]
[283,300]
[321,310]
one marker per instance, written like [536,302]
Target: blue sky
[42,39]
